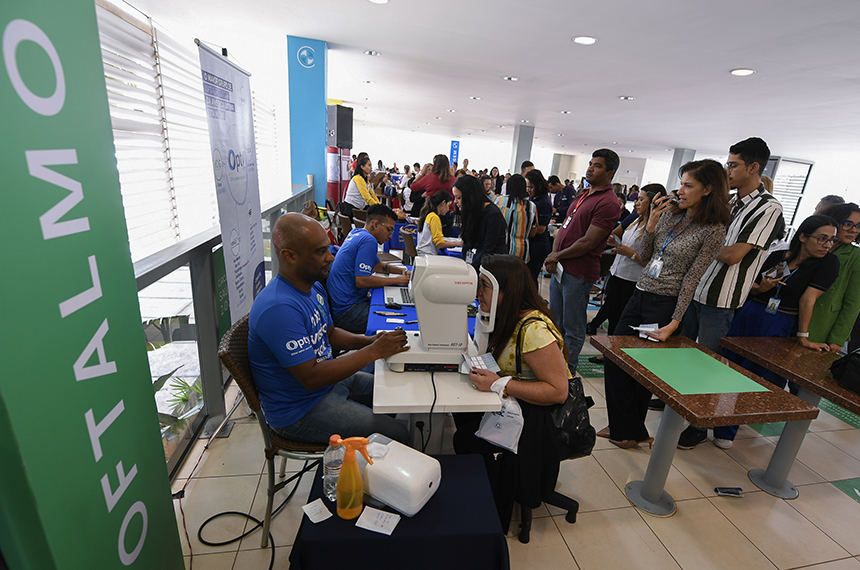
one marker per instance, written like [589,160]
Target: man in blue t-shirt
[306,394]
[562,196]
[351,277]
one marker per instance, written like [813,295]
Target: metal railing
[197,252]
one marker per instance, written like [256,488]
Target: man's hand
[389,343]
[401,280]
[550,266]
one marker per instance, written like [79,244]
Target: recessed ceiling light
[369,82]
[561,134]
[565,112]
[614,142]
[562,146]
[483,131]
[668,149]
[379,1]
[438,118]
[452,110]
[742,72]
[475,98]
[524,121]
[537,139]
[374,53]
[510,78]
[501,126]
[629,151]
[426,123]
[626,97]
[584,40]
[366,99]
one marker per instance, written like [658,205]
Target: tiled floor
[817,530]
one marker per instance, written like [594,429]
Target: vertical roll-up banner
[83,479]
[227,92]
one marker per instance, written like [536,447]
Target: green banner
[83,481]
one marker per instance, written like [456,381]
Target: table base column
[774,480]
[649,495]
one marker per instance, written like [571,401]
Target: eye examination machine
[442,288]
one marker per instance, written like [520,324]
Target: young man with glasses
[351,277]
[756,222]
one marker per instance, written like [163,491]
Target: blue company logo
[306,56]
[235,160]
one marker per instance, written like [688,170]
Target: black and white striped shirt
[756,220]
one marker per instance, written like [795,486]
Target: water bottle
[332,462]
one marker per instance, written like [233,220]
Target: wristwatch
[633,257]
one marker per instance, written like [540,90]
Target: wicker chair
[233,352]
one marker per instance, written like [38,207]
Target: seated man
[351,279]
[306,394]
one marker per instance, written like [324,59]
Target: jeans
[346,410]
[354,319]
[568,302]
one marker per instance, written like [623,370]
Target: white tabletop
[412,392]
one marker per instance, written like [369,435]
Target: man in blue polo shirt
[352,278]
[306,394]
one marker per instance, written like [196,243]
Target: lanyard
[785,280]
[667,241]
[580,201]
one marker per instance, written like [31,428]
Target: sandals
[629,443]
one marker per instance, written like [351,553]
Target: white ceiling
[673,56]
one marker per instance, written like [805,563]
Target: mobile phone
[393,306]
[728,491]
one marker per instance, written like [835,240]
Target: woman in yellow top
[359,194]
[430,237]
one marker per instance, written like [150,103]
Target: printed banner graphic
[227,92]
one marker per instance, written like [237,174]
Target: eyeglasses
[389,228]
[848,225]
[733,165]
[824,239]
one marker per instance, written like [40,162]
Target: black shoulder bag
[846,371]
[575,434]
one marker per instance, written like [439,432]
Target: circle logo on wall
[217,164]
[306,56]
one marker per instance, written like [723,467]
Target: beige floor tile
[546,550]
[848,441]
[826,459]
[586,481]
[616,538]
[259,559]
[599,400]
[834,512]
[239,454]
[707,467]
[746,432]
[826,422]
[286,524]
[624,465]
[596,385]
[785,536]
[208,496]
[755,453]
[699,537]
[216,561]
[844,564]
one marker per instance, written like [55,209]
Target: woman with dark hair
[520,216]
[498,179]
[522,318]
[430,180]
[483,226]
[683,235]
[359,193]
[430,237]
[836,310]
[539,245]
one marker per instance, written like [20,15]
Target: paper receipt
[316,511]
[377,521]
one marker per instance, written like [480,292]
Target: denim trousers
[347,409]
[568,302]
[354,319]
[707,325]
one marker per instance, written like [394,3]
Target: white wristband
[803,335]
[499,385]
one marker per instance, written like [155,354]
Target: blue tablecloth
[457,528]
[378,322]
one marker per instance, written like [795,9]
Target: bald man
[306,394]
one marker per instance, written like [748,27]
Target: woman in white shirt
[430,238]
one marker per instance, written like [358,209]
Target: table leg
[774,480]
[649,495]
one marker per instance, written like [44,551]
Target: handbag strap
[519,346]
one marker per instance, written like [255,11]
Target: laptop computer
[399,295]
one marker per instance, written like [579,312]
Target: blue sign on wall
[455,152]
[306,66]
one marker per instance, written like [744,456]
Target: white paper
[316,511]
[376,450]
[559,272]
[377,521]
[648,327]
[395,321]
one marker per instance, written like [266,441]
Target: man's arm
[313,375]
[593,236]
[374,282]
[732,254]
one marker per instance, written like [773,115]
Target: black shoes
[691,437]
[596,360]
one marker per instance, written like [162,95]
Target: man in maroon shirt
[575,257]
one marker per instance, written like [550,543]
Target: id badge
[470,255]
[566,222]
[655,268]
[772,306]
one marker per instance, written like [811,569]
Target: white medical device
[484,324]
[442,287]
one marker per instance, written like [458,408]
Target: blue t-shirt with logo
[356,257]
[287,328]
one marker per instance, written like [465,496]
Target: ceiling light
[452,110]
[483,131]
[614,142]
[426,123]
[626,97]
[629,151]
[524,121]
[584,40]
[371,52]
[501,126]
[561,134]
[565,112]
[379,1]
[475,98]
[742,72]
[369,82]
[537,139]
[668,149]
[438,118]
[510,78]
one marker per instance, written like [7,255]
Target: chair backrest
[359,214]
[233,352]
[408,243]
[359,223]
[345,224]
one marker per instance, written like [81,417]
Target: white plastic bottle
[332,462]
